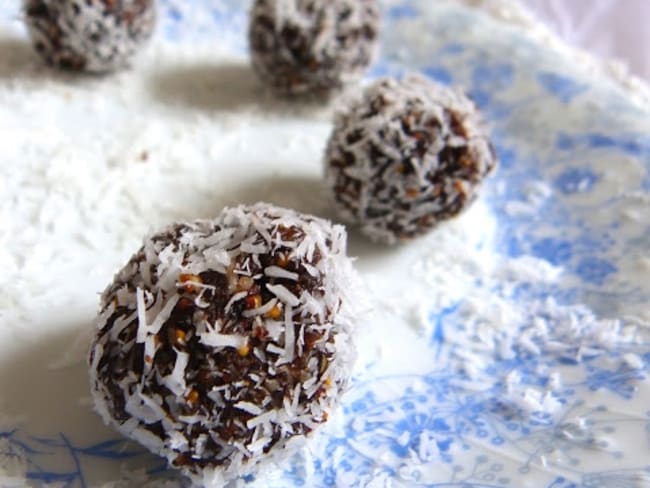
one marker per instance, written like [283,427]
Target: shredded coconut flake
[277,272]
[284,295]
[214,339]
[249,408]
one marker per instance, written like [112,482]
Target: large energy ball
[406,155]
[223,343]
[89,35]
[312,46]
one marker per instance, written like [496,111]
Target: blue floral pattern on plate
[431,429]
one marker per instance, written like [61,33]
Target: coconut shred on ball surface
[89,35]
[312,47]
[405,155]
[223,343]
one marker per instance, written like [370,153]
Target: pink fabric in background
[612,29]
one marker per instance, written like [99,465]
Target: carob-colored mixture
[406,155]
[89,35]
[221,342]
[312,47]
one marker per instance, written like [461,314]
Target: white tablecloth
[612,29]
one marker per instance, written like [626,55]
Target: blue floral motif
[399,12]
[488,80]
[452,49]
[44,458]
[175,15]
[561,482]
[620,381]
[494,77]
[507,157]
[576,180]
[634,145]
[555,251]
[595,270]
[439,74]
[566,89]
[617,479]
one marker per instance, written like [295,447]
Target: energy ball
[89,35]
[223,343]
[406,155]
[314,47]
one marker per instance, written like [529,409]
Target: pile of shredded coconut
[465,301]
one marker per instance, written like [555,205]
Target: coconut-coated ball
[223,343]
[406,155]
[312,47]
[89,35]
